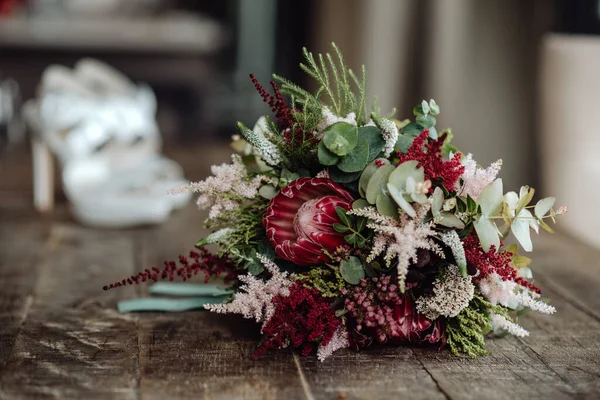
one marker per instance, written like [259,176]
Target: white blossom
[338,341]
[476,179]
[500,322]
[512,295]
[452,240]
[329,118]
[389,132]
[451,294]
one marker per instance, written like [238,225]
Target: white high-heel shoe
[108,144]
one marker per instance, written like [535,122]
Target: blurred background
[515,79]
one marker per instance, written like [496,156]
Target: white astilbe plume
[389,132]
[257,138]
[255,298]
[400,239]
[451,294]
[510,294]
[499,321]
[476,179]
[338,341]
[329,118]
[452,240]
[229,186]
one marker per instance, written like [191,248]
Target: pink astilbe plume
[199,261]
[255,298]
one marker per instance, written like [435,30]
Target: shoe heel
[43,176]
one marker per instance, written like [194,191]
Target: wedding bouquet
[338,226]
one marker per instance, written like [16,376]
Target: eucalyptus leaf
[352,270]
[437,202]
[401,201]
[425,107]
[340,138]
[426,121]
[403,143]
[342,177]
[408,169]
[434,108]
[490,199]
[372,135]
[488,234]
[520,228]
[451,221]
[378,182]
[525,198]
[412,129]
[325,156]
[267,192]
[386,206]
[365,176]
[543,206]
[360,203]
[357,159]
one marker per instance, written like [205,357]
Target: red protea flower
[299,220]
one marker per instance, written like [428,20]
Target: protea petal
[299,220]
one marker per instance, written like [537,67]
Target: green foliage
[352,270]
[246,235]
[355,228]
[328,281]
[349,147]
[466,332]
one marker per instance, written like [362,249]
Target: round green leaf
[378,182]
[372,135]
[357,159]
[326,157]
[342,177]
[386,206]
[340,138]
[352,270]
[405,170]
[367,174]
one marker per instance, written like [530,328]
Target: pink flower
[299,220]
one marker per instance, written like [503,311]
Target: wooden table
[61,336]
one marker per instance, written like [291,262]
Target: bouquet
[337,226]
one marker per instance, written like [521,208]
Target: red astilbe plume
[201,260]
[446,173]
[301,320]
[292,131]
[492,262]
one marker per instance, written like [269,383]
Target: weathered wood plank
[71,344]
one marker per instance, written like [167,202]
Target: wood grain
[61,337]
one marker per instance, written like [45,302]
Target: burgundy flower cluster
[446,173]
[301,320]
[201,260]
[381,312]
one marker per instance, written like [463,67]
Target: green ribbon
[199,295]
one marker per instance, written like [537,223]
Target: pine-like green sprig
[466,332]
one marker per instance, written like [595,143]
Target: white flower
[389,132]
[500,322]
[451,294]
[328,119]
[509,294]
